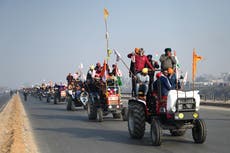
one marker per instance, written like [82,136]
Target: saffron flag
[195,59]
[106,13]
[104,71]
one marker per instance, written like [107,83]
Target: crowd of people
[143,68]
[95,80]
[142,72]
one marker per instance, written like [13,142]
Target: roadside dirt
[15,131]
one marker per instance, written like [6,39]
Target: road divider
[15,131]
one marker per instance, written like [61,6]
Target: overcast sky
[46,39]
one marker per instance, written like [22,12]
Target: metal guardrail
[2,107]
[222,103]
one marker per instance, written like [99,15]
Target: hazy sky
[46,39]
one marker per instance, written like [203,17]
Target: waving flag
[104,71]
[185,78]
[118,55]
[195,59]
[106,13]
[177,66]
[81,66]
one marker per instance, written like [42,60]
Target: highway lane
[57,130]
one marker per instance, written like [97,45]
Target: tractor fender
[135,100]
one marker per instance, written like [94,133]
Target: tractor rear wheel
[136,120]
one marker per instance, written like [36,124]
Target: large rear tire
[199,131]
[155,133]
[136,120]
[92,111]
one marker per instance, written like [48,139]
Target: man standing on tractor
[167,60]
[76,76]
[98,68]
[69,78]
[151,73]
[143,79]
[132,71]
[140,62]
[91,73]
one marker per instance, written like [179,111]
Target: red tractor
[177,113]
[106,100]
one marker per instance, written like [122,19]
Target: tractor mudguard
[137,101]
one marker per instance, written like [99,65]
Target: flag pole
[193,71]
[177,73]
[126,66]
[106,13]
[107,40]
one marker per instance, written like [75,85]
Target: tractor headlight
[181,115]
[195,115]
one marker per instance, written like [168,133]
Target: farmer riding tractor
[76,96]
[105,98]
[177,112]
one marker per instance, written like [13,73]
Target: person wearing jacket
[167,60]
[165,84]
[151,73]
[69,78]
[132,71]
[173,80]
[140,60]
[143,79]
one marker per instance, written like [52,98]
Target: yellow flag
[195,59]
[106,13]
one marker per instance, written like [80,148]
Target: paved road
[4,98]
[59,131]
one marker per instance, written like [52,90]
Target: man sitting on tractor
[140,61]
[165,84]
[173,80]
[162,85]
[143,79]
